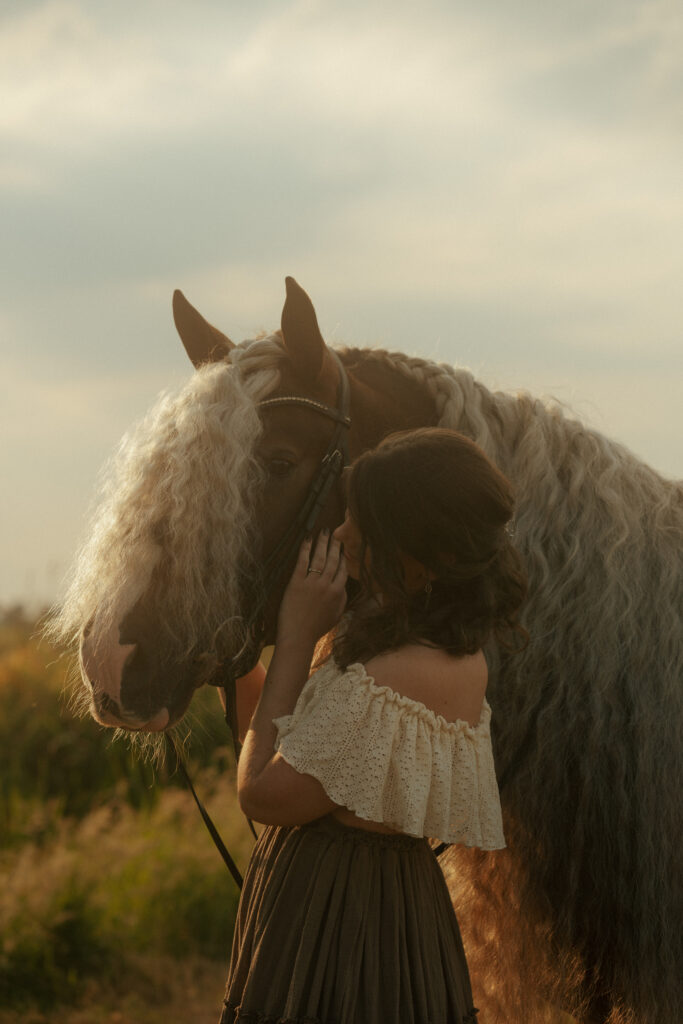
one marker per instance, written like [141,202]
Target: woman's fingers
[315,597]
[332,561]
[323,558]
[304,556]
[320,553]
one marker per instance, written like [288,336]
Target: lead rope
[213,831]
[231,722]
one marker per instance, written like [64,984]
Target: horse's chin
[159,723]
[109,714]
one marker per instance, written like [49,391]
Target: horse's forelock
[176,500]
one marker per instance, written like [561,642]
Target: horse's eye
[279,467]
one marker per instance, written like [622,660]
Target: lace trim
[419,710]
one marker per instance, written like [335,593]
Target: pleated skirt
[339,925]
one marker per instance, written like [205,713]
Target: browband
[310,403]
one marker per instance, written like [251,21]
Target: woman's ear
[415,574]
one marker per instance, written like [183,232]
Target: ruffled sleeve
[390,759]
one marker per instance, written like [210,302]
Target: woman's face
[348,534]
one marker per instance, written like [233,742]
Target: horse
[582,910]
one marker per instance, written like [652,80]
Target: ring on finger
[318,572]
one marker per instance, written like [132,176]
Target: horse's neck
[383,399]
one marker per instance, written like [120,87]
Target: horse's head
[197,537]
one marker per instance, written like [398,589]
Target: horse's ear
[203,342]
[300,331]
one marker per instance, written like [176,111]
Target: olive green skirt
[338,925]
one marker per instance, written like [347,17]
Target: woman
[345,916]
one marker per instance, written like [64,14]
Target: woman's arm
[270,790]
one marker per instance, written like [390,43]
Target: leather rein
[329,471]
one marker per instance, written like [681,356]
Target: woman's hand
[268,788]
[315,597]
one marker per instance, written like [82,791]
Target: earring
[428,587]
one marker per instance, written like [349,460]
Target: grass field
[115,907]
[114,903]
[161,990]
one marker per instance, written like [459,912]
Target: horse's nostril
[105,704]
[102,659]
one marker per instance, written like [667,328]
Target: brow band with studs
[310,403]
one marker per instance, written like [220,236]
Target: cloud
[485,183]
[71,76]
[75,73]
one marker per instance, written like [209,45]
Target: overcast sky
[490,183]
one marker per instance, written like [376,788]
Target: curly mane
[180,490]
[585,903]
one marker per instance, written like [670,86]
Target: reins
[333,462]
[213,831]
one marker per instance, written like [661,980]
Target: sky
[492,184]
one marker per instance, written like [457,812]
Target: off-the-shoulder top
[391,759]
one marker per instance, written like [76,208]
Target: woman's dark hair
[434,495]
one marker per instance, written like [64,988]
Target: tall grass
[114,904]
[103,858]
[61,765]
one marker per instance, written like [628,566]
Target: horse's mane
[181,483]
[584,720]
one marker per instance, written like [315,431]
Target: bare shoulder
[453,687]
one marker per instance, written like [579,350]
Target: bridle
[282,555]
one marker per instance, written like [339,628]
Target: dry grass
[112,896]
[115,907]
[118,884]
[158,990]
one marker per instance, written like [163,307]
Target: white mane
[586,722]
[178,494]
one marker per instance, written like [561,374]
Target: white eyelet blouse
[391,759]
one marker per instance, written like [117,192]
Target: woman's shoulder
[452,687]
